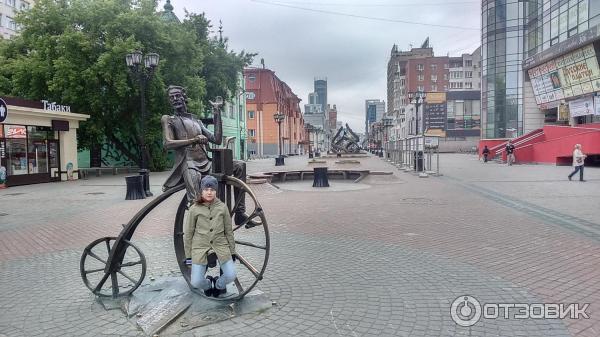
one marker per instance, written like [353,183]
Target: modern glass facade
[503,31]
[513,31]
[552,21]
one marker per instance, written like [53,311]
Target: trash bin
[418,161]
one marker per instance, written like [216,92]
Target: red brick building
[428,74]
[267,95]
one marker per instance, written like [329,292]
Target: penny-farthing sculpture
[113,266]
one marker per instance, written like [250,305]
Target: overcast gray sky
[348,42]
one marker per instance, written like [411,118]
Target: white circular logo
[3,110]
[465,310]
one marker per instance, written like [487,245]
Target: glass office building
[529,53]
[502,51]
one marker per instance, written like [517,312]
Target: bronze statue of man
[187,136]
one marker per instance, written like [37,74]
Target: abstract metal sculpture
[345,141]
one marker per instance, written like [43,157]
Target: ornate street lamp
[143,73]
[417,98]
[279,117]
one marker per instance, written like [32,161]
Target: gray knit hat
[209,182]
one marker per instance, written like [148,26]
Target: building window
[231,111]
[456,85]
[468,63]
[251,114]
[434,78]
[11,24]
[420,77]
[251,132]
[445,87]
[468,74]
[446,66]
[445,77]
[25,5]
[11,3]
[456,74]
[468,85]
[433,87]
[420,67]
[421,88]
[434,67]
[252,78]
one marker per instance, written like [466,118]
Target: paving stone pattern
[387,260]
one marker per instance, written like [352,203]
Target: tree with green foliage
[73,52]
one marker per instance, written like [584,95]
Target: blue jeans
[577,168]
[199,281]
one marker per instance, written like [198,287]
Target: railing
[500,148]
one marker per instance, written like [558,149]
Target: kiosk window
[37,149]
[16,149]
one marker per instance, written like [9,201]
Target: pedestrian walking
[486,153]
[578,161]
[208,229]
[510,153]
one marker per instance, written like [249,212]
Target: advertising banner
[574,74]
[581,107]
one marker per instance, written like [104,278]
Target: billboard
[573,74]
[434,113]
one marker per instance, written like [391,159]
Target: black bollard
[146,177]
[135,187]
[320,177]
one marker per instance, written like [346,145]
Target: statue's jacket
[177,130]
[208,227]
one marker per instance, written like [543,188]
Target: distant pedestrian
[486,153]
[510,153]
[578,161]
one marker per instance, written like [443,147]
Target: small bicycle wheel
[251,237]
[126,273]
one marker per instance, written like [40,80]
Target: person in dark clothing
[486,153]
[510,153]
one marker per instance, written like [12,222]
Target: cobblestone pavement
[385,260]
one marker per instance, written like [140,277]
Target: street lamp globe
[137,57]
[151,60]
[129,59]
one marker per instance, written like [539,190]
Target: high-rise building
[396,75]
[539,58]
[8,10]
[374,111]
[321,91]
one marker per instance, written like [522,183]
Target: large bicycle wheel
[251,238]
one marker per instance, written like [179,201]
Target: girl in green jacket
[208,228]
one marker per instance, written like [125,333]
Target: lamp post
[279,117]
[143,73]
[417,98]
[309,129]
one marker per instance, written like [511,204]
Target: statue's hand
[201,139]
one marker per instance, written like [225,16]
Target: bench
[258,176]
[113,169]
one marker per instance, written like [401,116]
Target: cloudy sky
[348,42]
